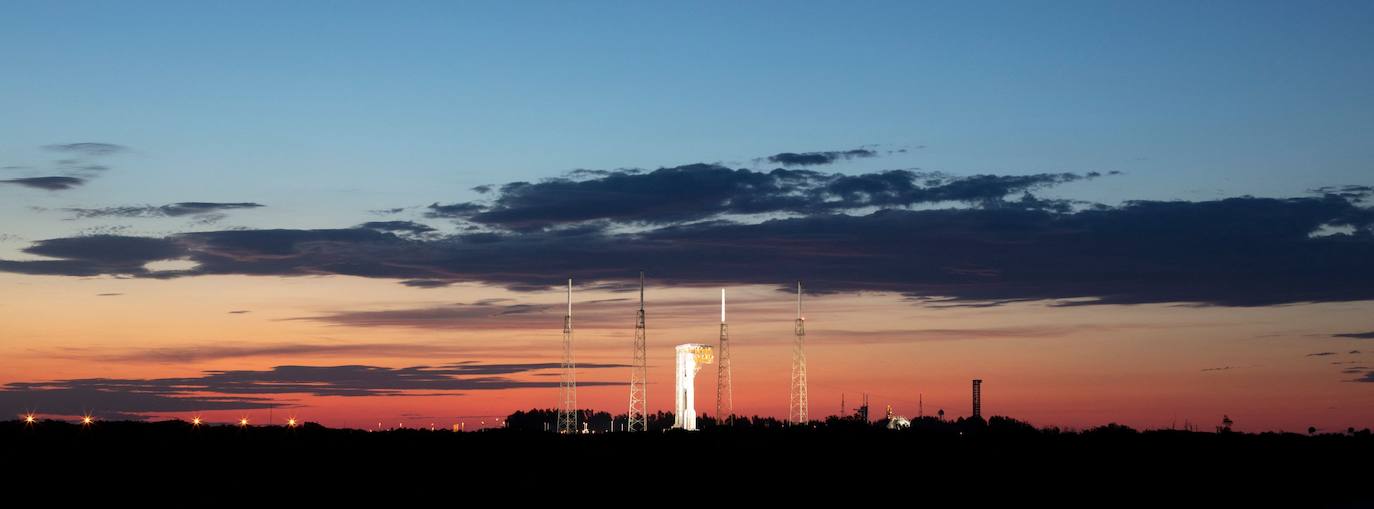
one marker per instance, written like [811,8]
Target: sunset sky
[360,214]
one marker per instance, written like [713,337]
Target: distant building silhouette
[1226,423]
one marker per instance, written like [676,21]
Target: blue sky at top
[325,110]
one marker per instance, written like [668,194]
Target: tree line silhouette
[545,419]
[1003,451]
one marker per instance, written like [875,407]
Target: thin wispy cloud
[1355,335]
[410,227]
[189,353]
[88,149]
[135,398]
[171,210]
[427,283]
[820,158]
[848,336]
[73,171]
[344,380]
[46,183]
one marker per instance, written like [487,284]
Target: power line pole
[796,404]
[725,393]
[567,386]
[638,371]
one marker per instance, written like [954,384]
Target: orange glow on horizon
[1075,366]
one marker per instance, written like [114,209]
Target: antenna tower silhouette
[977,398]
[725,392]
[796,404]
[638,371]
[567,386]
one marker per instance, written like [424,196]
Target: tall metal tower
[567,386]
[725,392]
[796,404]
[977,398]
[638,371]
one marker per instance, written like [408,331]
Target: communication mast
[725,393]
[638,371]
[567,386]
[796,404]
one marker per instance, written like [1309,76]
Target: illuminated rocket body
[690,357]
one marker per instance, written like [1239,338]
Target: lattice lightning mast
[725,393]
[796,404]
[638,371]
[567,386]
[977,399]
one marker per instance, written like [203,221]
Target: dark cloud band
[1238,251]
[704,191]
[707,224]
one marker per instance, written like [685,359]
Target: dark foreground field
[1106,467]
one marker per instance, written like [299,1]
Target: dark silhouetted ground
[1002,461]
